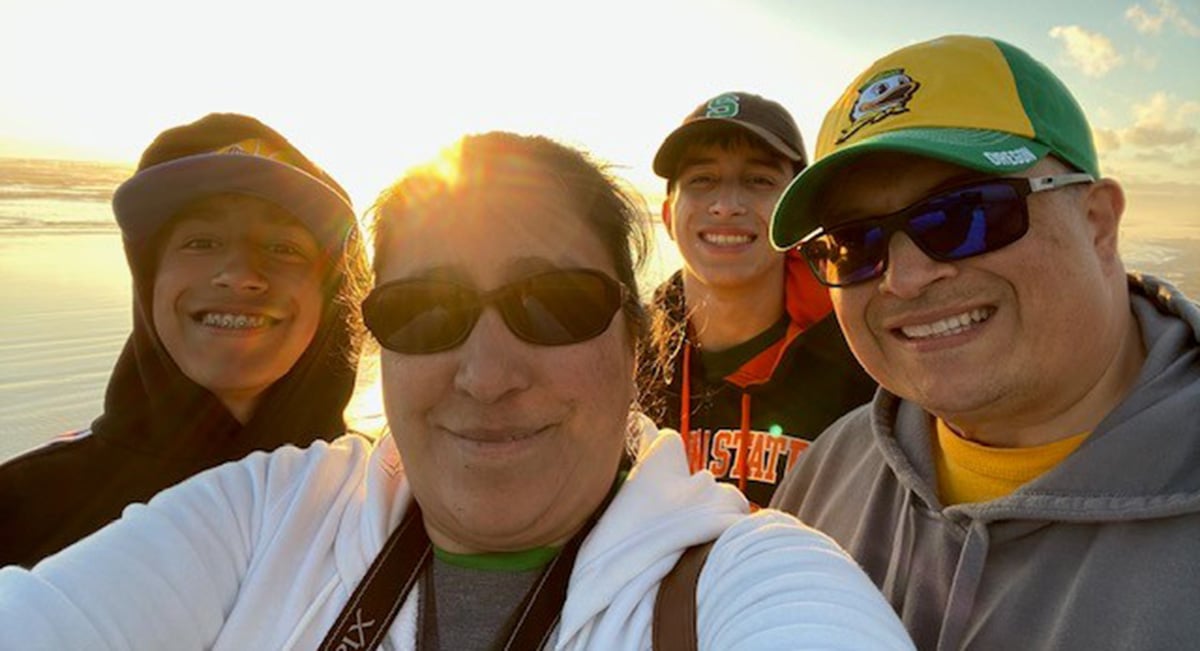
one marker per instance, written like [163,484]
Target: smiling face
[507,445]
[997,338]
[719,214]
[237,296]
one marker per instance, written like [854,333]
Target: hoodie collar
[1142,461]
[660,510]
[806,302]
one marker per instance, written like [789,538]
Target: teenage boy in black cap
[247,270]
[745,358]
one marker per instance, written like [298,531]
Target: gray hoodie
[1102,552]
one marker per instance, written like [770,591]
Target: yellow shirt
[973,472]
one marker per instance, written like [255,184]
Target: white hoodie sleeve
[771,582]
[163,576]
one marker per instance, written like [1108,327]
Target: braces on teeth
[233,320]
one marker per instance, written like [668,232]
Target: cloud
[1160,136]
[1150,22]
[1164,135]
[1143,21]
[1160,122]
[1155,155]
[1106,140]
[1091,52]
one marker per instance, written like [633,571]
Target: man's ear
[1105,204]
[666,217]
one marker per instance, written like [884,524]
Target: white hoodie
[264,552]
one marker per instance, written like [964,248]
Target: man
[1028,477]
[745,356]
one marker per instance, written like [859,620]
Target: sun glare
[365,413]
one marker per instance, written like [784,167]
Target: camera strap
[367,616]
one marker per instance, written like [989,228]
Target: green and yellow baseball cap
[972,101]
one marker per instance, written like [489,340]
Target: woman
[247,269]
[507,308]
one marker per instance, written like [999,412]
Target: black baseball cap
[230,153]
[760,116]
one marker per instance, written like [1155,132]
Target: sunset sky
[367,89]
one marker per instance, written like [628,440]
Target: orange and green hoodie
[747,413]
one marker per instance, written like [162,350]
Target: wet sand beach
[60,333]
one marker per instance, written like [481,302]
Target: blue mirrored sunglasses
[966,221]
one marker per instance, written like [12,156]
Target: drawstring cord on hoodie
[744,443]
[695,440]
[685,412]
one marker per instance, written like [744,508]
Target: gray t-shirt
[471,606]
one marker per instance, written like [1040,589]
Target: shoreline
[63,329]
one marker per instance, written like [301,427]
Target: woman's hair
[616,215]
[346,285]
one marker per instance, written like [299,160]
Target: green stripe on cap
[1057,118]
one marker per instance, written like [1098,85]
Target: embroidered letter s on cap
[766,119]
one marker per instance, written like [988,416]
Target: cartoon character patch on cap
[883,95]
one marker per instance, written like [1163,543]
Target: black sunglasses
[553,308]
[966,221]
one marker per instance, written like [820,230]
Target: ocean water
[66,294]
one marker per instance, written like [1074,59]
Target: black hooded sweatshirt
[159,428]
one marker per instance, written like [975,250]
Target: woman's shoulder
[272,480]
[349,447]
[767,530]
[339,461]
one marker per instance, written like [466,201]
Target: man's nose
[909,270]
